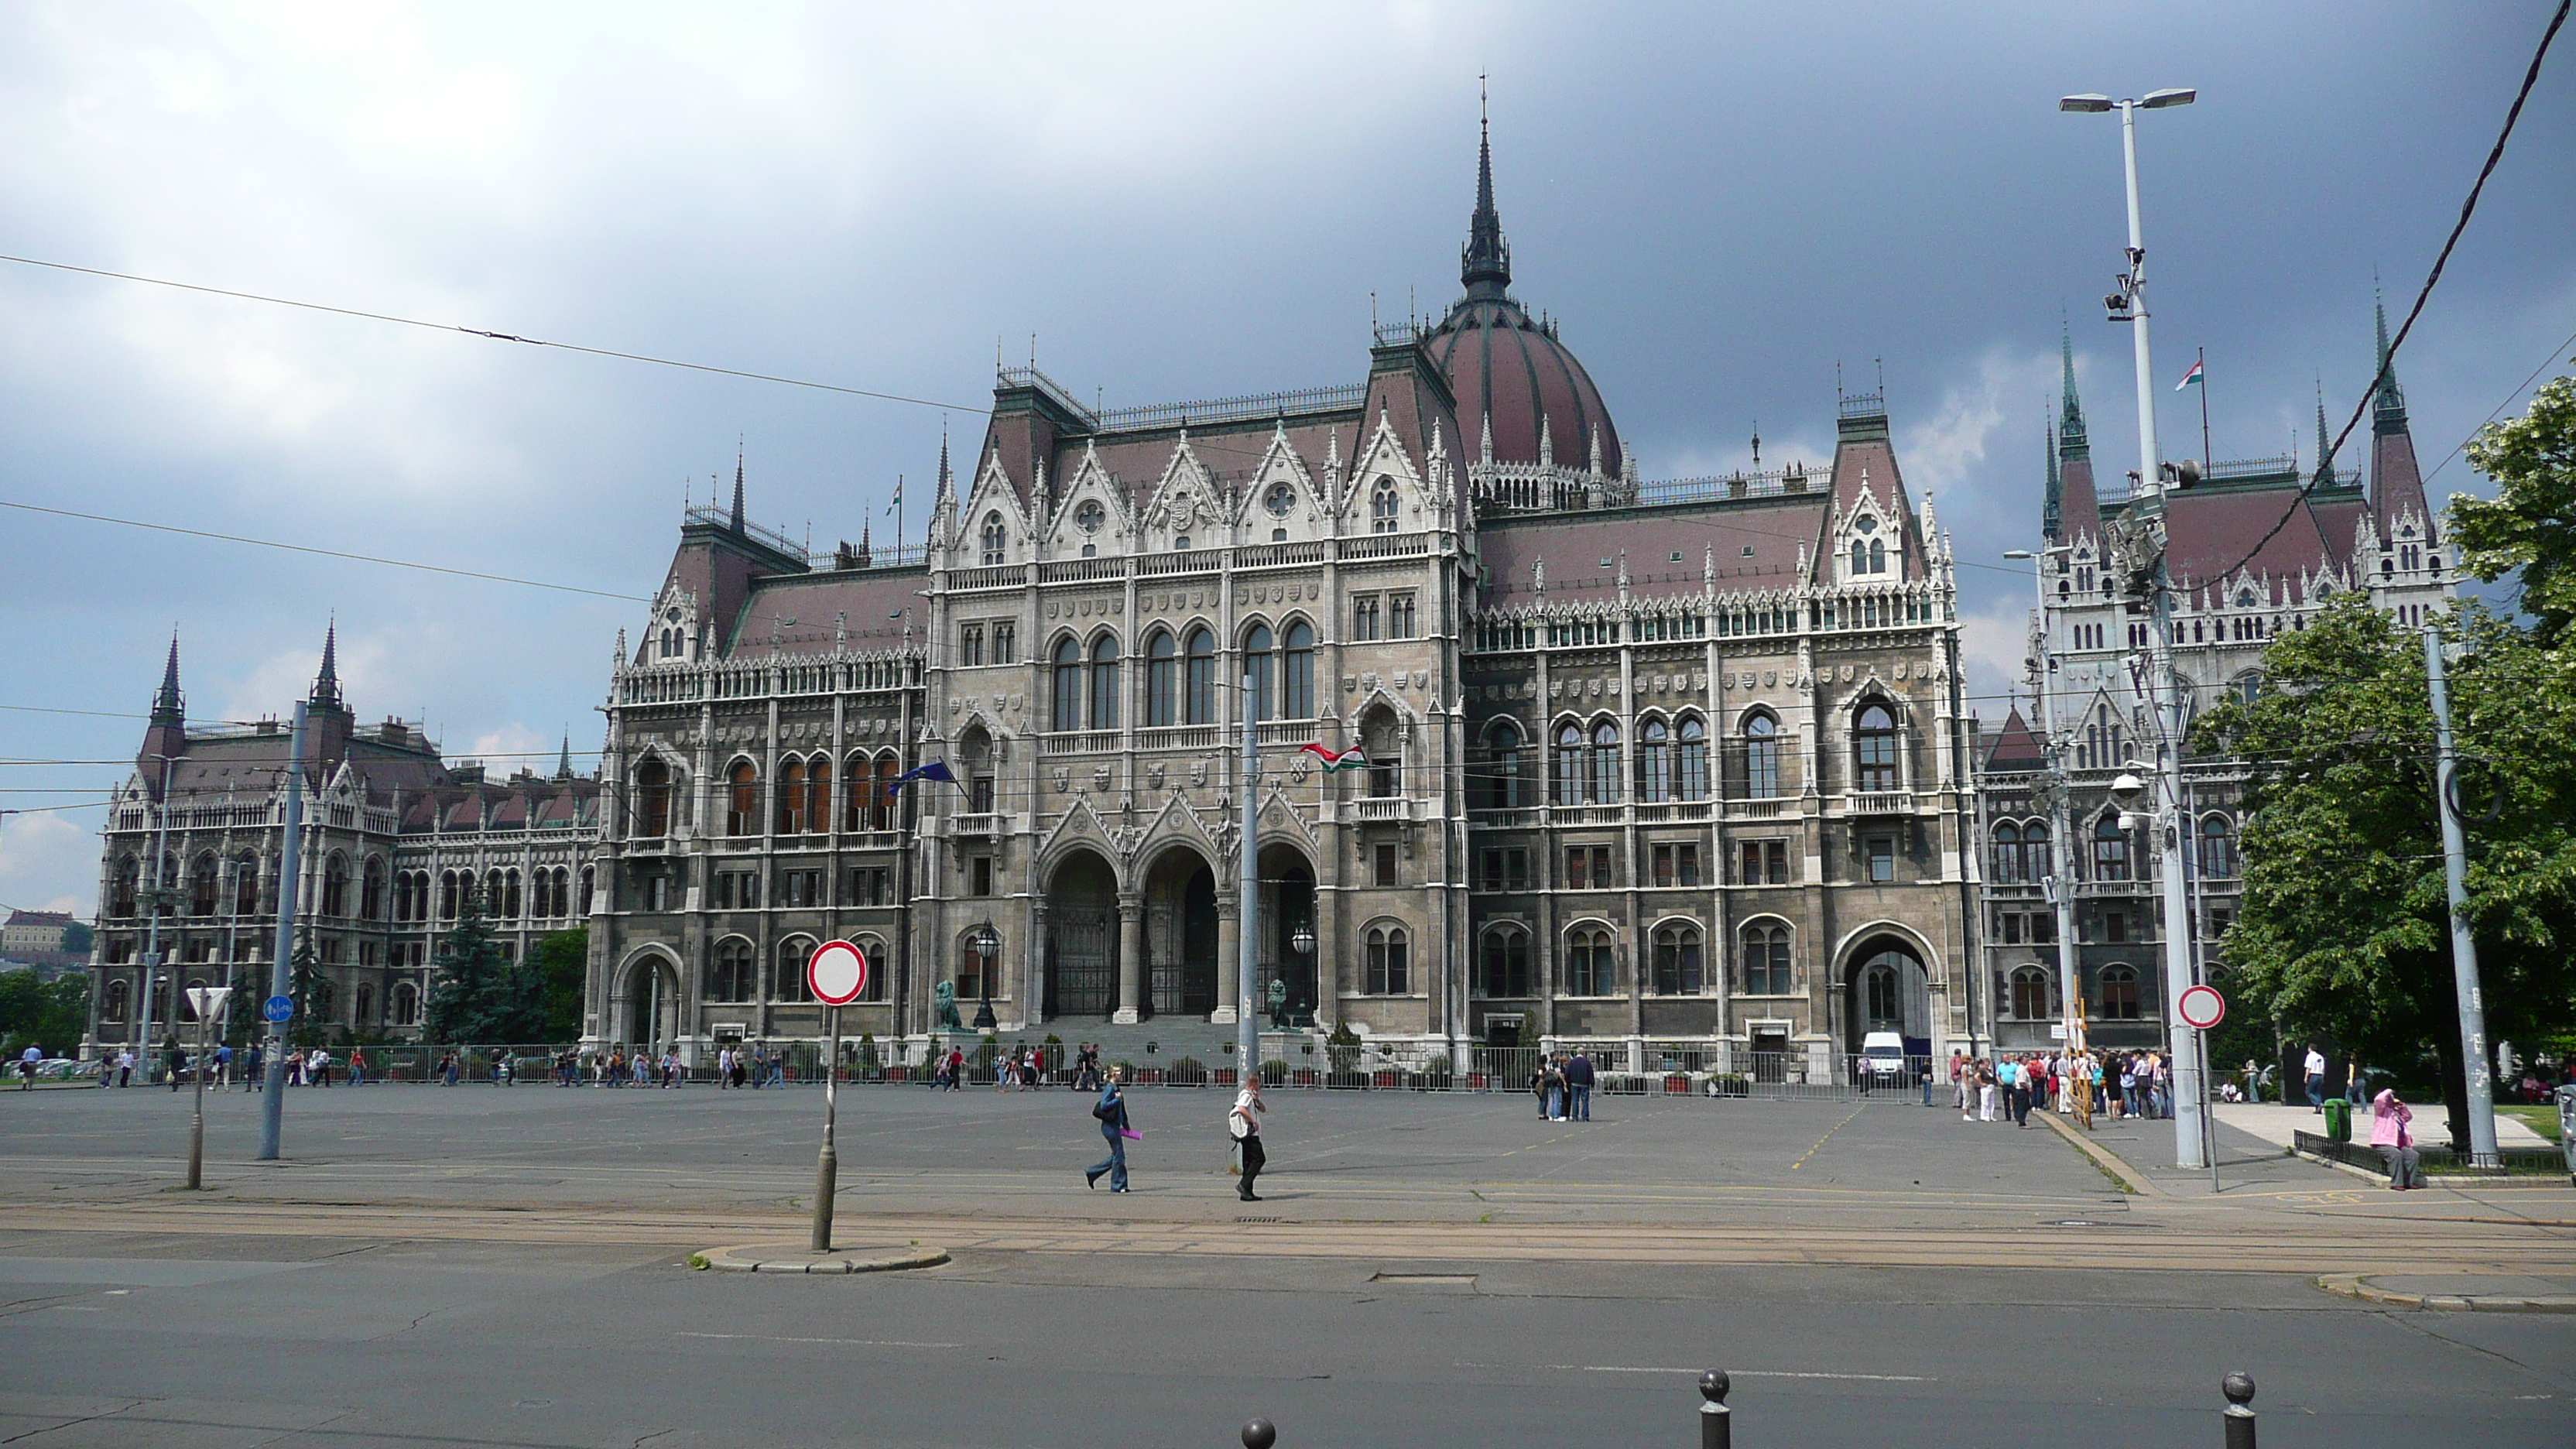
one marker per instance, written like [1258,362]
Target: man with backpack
[1244,1125]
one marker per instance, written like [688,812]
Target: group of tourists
[1563,1086]
[2007,1087]
[227,1069]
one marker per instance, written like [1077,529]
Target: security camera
[2136,820]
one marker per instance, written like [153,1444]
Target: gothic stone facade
[394,842]
[1645,761]
[2227,606]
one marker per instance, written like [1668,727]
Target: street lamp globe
[1302,941]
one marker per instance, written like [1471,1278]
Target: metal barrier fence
[1717,1418]
[2541,1160]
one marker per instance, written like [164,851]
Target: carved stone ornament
[1063,779]
[955,705]
[1368,679]
[1198,774]
[1350,682]
[1297,767]
[1596,689]
[1154,774]
[1699,681]
[1903,668]
[1770,678]
[1015,703]
[1422,679]
[1100,777]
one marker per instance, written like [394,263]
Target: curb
[2349,1285]
[789,1258]
[2104,1158]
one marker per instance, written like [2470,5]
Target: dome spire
[1485,267]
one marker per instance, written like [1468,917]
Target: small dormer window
[996,538]
[1181,541]
[1382,507]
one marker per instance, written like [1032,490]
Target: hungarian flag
[1350,759]
[2190,377]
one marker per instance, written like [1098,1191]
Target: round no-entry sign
[2202,1007]
[838,972]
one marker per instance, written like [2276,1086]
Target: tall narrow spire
[737,492]
[2071,442]
[1485,266]
[2325,476]
[2388,403]
[326,684]
[169,701]
[563,766]
[2051,517]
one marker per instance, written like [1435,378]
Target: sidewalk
[2274,1123]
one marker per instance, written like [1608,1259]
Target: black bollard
[2239,1388]
[1716,1420]
[1259,1434]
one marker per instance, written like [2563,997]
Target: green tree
[560,963]
[48,1015]
[2530,525]
[312,992]
[76,938]
[470,983]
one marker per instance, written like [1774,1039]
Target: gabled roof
[2016,747]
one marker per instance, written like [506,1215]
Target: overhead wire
[2387,364]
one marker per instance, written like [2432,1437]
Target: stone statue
[1278,1004]
[944,997]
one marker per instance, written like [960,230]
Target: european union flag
[935,770]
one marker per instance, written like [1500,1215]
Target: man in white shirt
[1244,1123]
[2316,1073]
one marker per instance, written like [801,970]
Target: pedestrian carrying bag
[1106,1112]
[1238,1125]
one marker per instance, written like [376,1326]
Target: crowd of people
[1563,1086]
[2008,1087]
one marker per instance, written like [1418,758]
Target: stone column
[1229,948]
[1131,958]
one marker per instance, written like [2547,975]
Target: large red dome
[1508,372]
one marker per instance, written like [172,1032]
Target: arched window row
[804,803]
[1767,963]
[2118,991]
[2217,848]
[1388,962]
[1591,961]
[2021,852]
[1874,749]
[733,972]
[2032,994]
[1503,967]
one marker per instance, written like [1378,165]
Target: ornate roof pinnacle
[1485,266]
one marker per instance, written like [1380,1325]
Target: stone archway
[1081,963]
[1287,882]
[1180,933]
[1887,987]
[644,1012]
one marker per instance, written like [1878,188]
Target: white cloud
[1993,644]
[49,857]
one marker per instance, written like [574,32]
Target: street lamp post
[2144,568]
[987,945]
[2061,894]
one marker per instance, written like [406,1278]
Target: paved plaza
[485,1265]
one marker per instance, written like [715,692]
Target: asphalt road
[116,1334]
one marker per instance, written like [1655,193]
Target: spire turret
[169,706]
[326,683]
[737,492]
[563,765]
[2071,442]
[2325,475]
[2052,516]
[2388,403]
[1485,266]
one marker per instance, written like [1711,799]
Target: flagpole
[2200,369]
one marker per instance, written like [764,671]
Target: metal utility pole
[1247,1029]
[160,898]
[208,1002]
[2145,568]
[2061,876]
[272,1107]
[827,1163]
[2478,1068]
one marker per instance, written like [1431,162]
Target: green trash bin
[2338,1120]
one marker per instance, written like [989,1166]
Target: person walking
[2390,1132]
[27,1061]
[223,1065]
[1553,1089]
[1962,1082]
[2315,1070]
[1986,1091]
[957,1067]
[1111,1110]
[1578,1087]
[357,1066]
[1244,1124]
[255,1068]
[174,1058]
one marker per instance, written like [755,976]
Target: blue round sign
[278,1008]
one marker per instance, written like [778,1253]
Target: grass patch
[2543,1120]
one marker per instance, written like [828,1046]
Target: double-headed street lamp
[2140,541]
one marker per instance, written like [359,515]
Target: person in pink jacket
[2389,1121]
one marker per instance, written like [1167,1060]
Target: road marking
[1829,1132]
[846,1342]
[1616,1368]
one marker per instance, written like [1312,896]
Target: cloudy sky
[1722,204]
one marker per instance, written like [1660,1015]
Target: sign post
[838,974]
[208,1003]
[2202,1009]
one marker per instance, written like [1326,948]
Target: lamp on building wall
[987,946]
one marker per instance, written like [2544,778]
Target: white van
[1882,1055]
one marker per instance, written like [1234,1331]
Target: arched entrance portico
[644,1011]
[1081,938]
[1287,902]
[1180,933]
[1887,988]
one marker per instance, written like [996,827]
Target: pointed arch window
[1568,780]
[652,799]
[201,886]
[246,893]
[1162,682]
[1677,961]
[733,974]
[1860,557]
[1505,779]
[1506,968]
[1761,757]
[1389,971]
[1297,672]
[855,799]
[1104,682]
[742,799]
[2110,850]
[789,984]
[883,804]
[1383,507]
[1877,556]
[1605,763]
[1654,763]
[1067,714]
[1591,963]
[818,796]
[129,875]
[2217,850]
[1260,675]
[791,798]
[1690,761]
[2008,856]
[1874,749]
[1766,961]
[2119,994]
[371,891]
[1202,677]
[997,539]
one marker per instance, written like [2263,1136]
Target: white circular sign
[838,972]
[2202,1007]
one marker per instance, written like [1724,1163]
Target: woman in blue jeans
[1112,1112]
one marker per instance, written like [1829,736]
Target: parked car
[64,1069]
